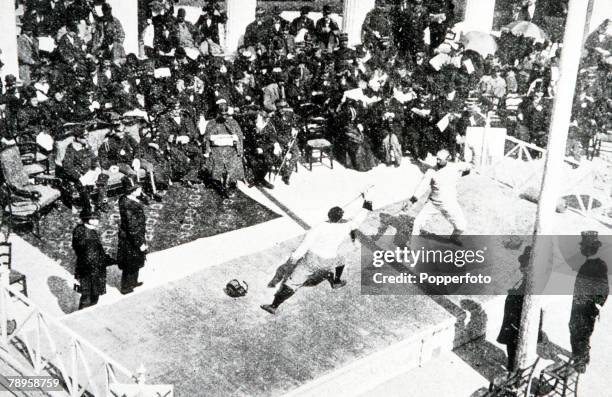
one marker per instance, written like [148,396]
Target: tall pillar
[240,13]
[479,15]
[127,13]
[602,10]
[355,12]
[8,38]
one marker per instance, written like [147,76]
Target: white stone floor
[309,196]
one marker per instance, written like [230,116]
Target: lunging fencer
[317,258]
[442,180]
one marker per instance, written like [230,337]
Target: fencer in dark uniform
[132,246]
[91,260]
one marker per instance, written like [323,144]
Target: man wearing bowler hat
[91,260]
[132,245]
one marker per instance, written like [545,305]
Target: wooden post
[551,182]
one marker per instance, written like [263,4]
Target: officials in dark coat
[132,245]
[590,293]
[91,259]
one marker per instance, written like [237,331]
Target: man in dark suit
[257,32]
[91,260]
[71,47]
[326,30]
[132,245]
[207,25]
[302,22]
[590,294]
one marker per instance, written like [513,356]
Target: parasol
[527,29]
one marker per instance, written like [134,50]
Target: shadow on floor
[67,299]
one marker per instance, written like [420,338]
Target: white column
[127,12]
[479,15]
[240,13]
[602,9]
[355,12]
[8,38]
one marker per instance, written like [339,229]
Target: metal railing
[41,345]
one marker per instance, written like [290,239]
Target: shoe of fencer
[269,308]
[338,284]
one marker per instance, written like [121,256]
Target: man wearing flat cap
[91,259]
[591,291]
[132,245]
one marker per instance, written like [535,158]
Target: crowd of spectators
[412,88]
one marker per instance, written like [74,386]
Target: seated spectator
[223,147]
[81,173]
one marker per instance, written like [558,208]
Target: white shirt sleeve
[304,246]
[424,184]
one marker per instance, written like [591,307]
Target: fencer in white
[442,180]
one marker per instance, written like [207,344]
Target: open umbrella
[482,43]
[527,29]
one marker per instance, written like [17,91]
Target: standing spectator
[27,46]
[207,25]
[376,26]
[91,260]
[185,30]
[590,293]
[326,30]
[257,32]
[132,246]
[303,22]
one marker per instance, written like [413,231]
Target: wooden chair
[22,199]
[317,150]
[15,277]
[35,162]
[560,379]
[514,384]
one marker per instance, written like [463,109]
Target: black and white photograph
[305,198]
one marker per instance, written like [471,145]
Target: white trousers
[449,209]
